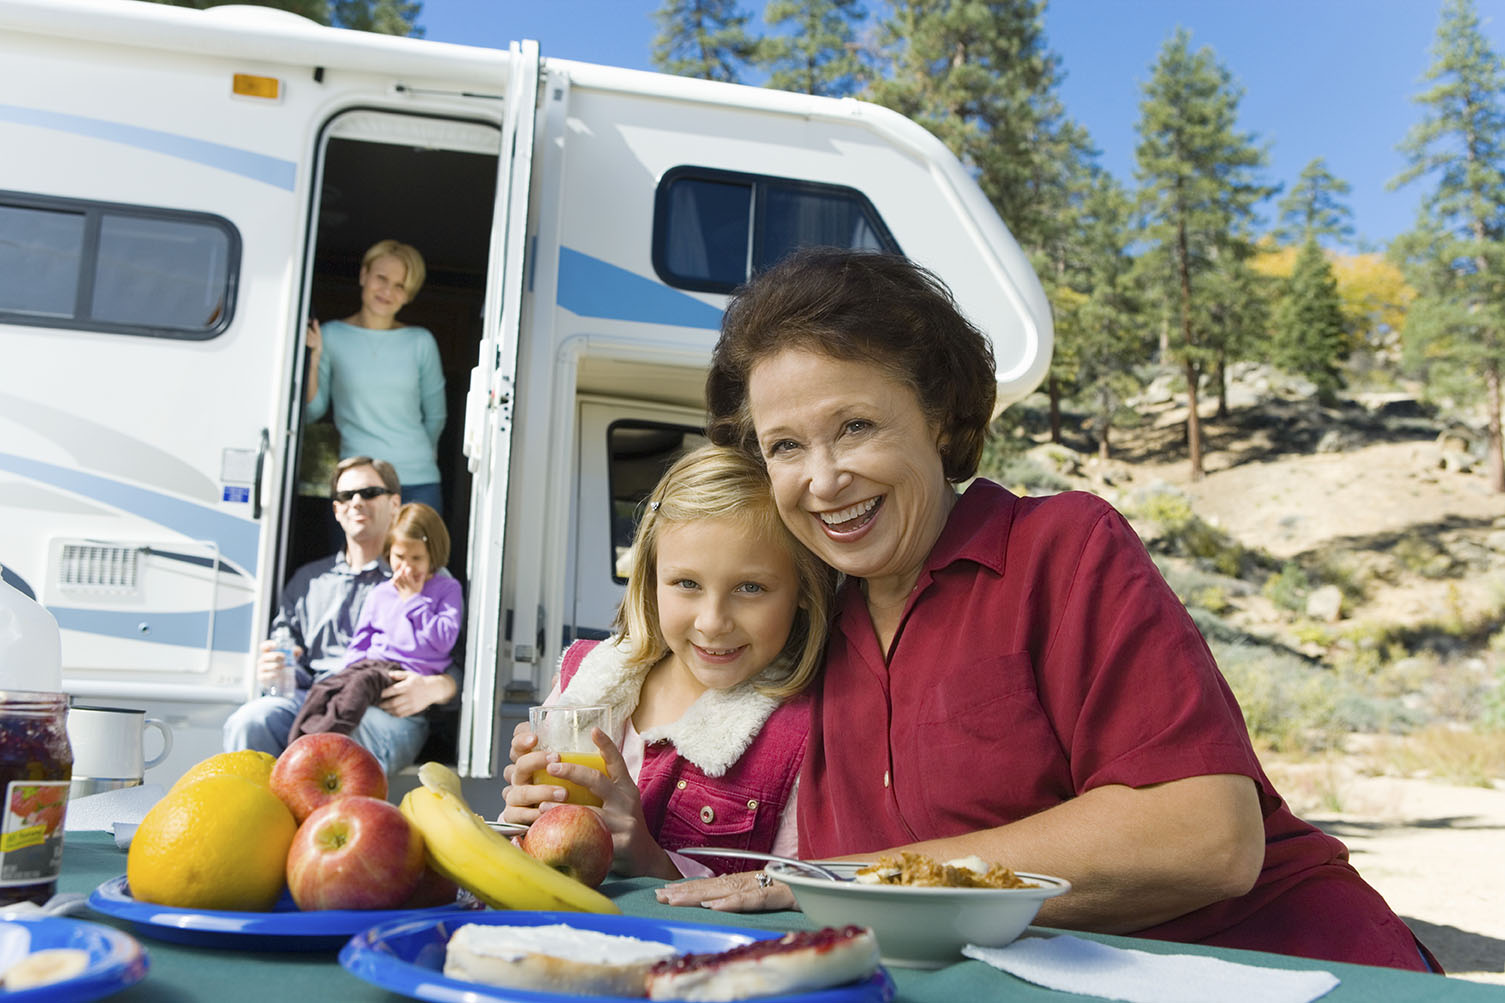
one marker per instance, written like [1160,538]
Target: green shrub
[1289,705]
[1024,476]
[1289,588]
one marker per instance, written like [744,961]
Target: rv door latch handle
[261,462]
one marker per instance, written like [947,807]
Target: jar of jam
[36,765]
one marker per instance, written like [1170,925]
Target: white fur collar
[713,733]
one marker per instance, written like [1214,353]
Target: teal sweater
[387,388]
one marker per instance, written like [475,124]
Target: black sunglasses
[343,497]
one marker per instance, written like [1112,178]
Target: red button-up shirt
[1041,654]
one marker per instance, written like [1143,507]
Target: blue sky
[1321,78]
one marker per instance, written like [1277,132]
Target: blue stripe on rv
[257,166]
[236,538]
[590,287]
[187,629]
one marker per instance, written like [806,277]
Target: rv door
[489,419]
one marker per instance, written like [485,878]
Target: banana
[462,847]
[43,968]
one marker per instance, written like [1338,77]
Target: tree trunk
[1102,443]
[1193,422]
[1496,454]
[1222,374]
[1053,391]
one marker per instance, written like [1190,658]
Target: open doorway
[431,183]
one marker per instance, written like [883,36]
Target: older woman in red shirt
[1006,676]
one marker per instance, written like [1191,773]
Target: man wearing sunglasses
[321,605]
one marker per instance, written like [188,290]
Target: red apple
[354,853]
[319,768]
[572,839]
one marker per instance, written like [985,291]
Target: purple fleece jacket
[418,633]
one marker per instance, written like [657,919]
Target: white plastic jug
[31,652]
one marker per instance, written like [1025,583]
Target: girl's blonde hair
[716,482]
[416,521]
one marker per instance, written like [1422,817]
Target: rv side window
[638,453]
[713,229]
[122,269]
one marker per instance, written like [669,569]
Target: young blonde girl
[721,629]
[400,653]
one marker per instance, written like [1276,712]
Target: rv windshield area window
[122,269]
[713,229]
[638,454]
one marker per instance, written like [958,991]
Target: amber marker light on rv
[250,86]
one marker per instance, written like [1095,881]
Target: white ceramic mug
[108,744]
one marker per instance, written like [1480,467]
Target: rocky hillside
[1357,546]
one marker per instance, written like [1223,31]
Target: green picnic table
[180,973]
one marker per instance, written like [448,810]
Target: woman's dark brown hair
[858,306]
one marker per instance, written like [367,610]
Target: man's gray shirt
[321,605]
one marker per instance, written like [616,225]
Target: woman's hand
[314,341]
[738,892]
[413,692]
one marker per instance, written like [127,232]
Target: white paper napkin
[101,811]
[1074,965]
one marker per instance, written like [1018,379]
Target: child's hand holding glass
[620,804]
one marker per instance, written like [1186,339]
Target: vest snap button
[885,778]
[752,805]
[681,785]
[707,815]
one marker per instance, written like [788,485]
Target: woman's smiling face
[855,464]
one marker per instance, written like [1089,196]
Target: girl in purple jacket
[721,629]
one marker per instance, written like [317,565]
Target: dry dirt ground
[1436,851]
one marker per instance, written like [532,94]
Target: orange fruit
[220,842]
[247,763]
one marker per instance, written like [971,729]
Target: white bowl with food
[919,926]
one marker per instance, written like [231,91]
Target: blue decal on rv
[236,538]
[591,287]
[188,629]
[257,166]
[16,582]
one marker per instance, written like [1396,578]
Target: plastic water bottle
[286,681]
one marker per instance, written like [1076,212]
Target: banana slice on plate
[42,968]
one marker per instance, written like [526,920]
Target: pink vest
[740,808]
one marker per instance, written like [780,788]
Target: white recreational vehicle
[180,190]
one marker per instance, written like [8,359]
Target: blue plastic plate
[284,928]
[407,956]
[116,960]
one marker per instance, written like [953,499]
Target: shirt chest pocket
[983,732]
[702,813]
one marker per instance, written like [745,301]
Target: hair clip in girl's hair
[653,506]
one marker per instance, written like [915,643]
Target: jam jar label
[31,831]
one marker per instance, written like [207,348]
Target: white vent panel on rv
[99,568]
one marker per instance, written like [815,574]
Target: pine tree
[386,17]
[1310,340]
[978,75]
[817,52]
[1199,197]
[1312,210]
[1455,257]
[707,39]
[1105,330]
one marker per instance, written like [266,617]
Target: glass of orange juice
[566,730]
